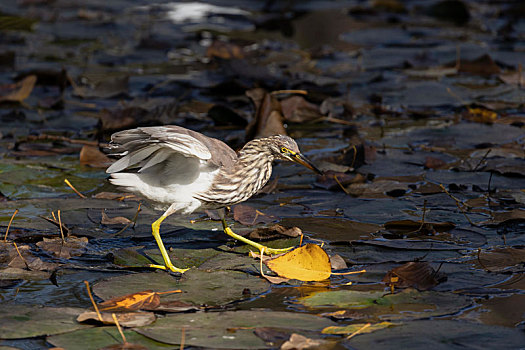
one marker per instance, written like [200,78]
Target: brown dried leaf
[414,274]
[132,302]
[91,156]
[250,216]
[117,220]
[337,262]
[268,119]
[273,232]
[300,342]
[297,110]
[73,246]
[19,91]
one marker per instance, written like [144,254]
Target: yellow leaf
[135,301]
[307,263]
[358,326]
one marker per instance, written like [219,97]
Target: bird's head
[285,148]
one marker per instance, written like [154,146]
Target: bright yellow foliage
[306,263]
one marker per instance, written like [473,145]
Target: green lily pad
[99,337]
[230,329]
[199,287]
[441,335]
[409,304]
[25,321]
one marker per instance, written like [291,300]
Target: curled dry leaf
[414,274]
[268,119]
[133,302]
[117,220]
[297,110]
[274,231]
[19,91]
[306,263]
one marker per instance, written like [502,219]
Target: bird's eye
[283,150]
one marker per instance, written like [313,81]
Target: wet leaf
[356,326]
[337,262]
[500,259]
[273,232]
[249,216]
[99,337]
[25,321]
[419,275]
[480,115]
[441,334]
[333,229]
[403,227]
[127,319]
[131,302]
[200,287]
[116,220]
[116,196]
[230,329]
[101,86]
[406,305]
[434,163]
[337,181]
[73,246]
[300,342]
[91,156]
[19,91]
[307,263]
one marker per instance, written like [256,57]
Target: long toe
[169,267]
[273,251]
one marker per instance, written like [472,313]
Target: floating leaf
[408,304]
[274,231]
[229,329]
[73,246]
[132,302]
[415,274]
[357,326]
[249,216]
[127,319]
[300,342]
[26,321]
[19,91]
[117,220]
[99,337]
[307,263]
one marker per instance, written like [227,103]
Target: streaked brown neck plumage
[246,177]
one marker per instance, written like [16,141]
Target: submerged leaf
[307,263]
[72,246]
[127,319]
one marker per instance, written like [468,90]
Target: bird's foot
[260,247]
[273,251]
[168,267]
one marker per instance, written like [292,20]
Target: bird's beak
[300,159]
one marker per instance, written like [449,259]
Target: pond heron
[183,170]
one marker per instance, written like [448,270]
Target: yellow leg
[155,227]
[260,247]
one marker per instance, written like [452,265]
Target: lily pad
[408,304]
[25,321]
[441,335]
[198,287]
[230,329]
[96,338]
